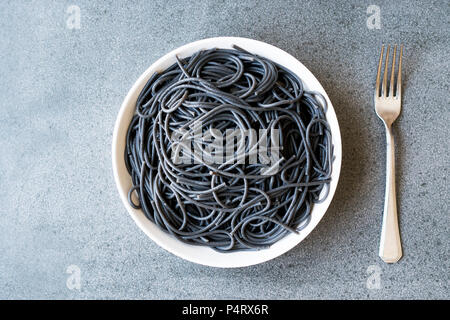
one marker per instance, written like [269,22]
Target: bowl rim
[200,254]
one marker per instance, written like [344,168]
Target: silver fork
[387,107]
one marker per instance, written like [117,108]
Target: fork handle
[390,244]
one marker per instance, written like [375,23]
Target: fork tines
[384,88]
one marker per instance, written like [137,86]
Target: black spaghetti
[228,205]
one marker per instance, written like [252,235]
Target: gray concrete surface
[61,90]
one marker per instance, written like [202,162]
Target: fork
[387,107]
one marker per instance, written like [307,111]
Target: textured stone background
[61,90]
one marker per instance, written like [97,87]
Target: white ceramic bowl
[205,255]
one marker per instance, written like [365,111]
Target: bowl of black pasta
[227,152]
